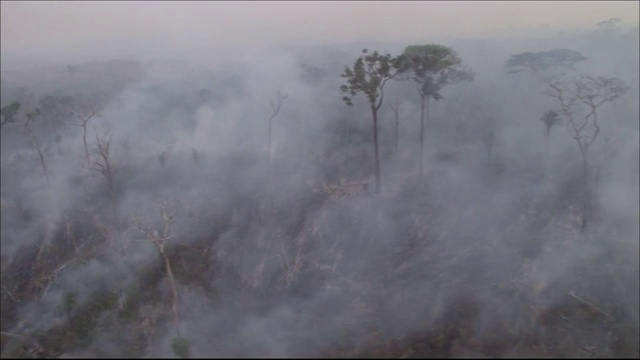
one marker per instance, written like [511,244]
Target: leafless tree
[159,240]
[104,167]
[83,121]
[275,107]
[579,100]
[30,117]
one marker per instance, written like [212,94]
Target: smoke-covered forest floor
[176,234]
[442,277]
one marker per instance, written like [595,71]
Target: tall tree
[432,67]
[369,75]
[579,100]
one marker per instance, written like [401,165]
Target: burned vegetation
[326,208]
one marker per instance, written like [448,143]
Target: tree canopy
[432,66]
[369,75]
[542,61]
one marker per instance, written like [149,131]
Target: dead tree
[159,240]
[34,143]
[103,166]
[83,121]
[275,107]
[73,111]
[586,93]
[9,114]
[395,107]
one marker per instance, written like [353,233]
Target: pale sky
[39,24]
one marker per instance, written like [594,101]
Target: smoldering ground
[295,256]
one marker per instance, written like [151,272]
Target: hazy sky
[41,24]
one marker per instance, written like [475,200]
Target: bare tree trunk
[71,235]
[103,165]
[36,146]
[174,292]
[41,156]
[84,142]
[397,135]
[269,145]
[116,220]
[375,147]
[347,131]
[269,176]
[422,107]
[159,242]
[276,109]
[546,151]
[396,111]
[586,205]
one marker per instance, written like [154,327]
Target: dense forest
[474,198]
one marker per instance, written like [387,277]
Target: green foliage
[542,61]
[180,347]
[429,59]
[433,66]
[369,75]
[9,112]
[69,302]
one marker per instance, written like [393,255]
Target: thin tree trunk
[396,112]
[397,134]
[44,165]
[36,146]
[347,131]
[269,144]
[375,146]
[71,235]
[269,205]
[84,142]
[586,206]
[422,106]
[546,151]
[174,291]
[117,222]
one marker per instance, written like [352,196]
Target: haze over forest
[320,179]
